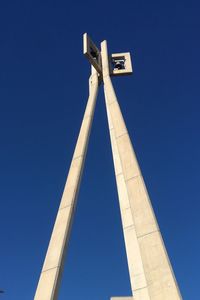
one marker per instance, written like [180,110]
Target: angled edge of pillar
[50,277]
[151,274]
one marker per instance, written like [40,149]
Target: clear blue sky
[43,93]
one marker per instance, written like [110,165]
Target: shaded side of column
[150,270]
[48,286]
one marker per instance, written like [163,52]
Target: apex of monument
[119,63]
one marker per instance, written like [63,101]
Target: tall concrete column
[49,281]
[151,274]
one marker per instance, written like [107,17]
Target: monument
[151,274]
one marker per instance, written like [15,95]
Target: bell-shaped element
[119,64]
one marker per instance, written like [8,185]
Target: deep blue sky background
[43,93]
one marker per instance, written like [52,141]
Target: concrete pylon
[150,271]
[151,274]
[48,286]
